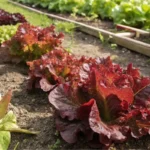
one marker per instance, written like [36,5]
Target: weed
[57,133]
[56,145]
[113,46]
[101,37]
[65,26]
[16,146]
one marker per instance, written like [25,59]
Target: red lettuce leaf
[73,118]
[46,86]
[67,107]
[100,84]
[138,121]
[84,110]
[70,131]
[142,98]
[140,84]
[134,72]
[108,132]
[62,103]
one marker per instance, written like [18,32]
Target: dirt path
[33,110]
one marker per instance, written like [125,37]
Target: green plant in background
[68,28]
[65,26]
[130,12]
[8,123]
[35,18]
[104,40]
[113,46]
[6,32]
[101,37]
[103,8]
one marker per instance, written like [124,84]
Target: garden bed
[106,34]
[33,109]
[99,23]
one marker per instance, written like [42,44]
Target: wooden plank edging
[129,43]
[138,31]
[126,34]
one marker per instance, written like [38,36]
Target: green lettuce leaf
[9,123]
[4,140]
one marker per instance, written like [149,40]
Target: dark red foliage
[56,67]
[31,42]
[7,18]
[139,82]
[142,98]
[108,132]
[71,121]
[109,101]
[53,68]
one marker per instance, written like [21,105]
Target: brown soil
[33,110]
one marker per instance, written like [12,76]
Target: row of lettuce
[9,23]
[93,96]
[130,12]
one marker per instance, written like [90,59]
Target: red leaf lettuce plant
[7,18]
[30,42]
[105,102]
[53,68]
[95,97]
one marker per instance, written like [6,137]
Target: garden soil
[33,110]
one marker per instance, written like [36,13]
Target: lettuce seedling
[8,123]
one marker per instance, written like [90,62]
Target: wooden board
[137,31]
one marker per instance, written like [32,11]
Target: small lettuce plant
[8,123]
